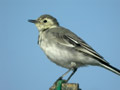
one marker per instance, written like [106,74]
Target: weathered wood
[67,86]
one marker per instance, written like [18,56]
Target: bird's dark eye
[45,21]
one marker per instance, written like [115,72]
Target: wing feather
[80,45]
[69,39]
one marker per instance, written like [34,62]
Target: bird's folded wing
[73,41]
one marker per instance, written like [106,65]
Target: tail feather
[111,68]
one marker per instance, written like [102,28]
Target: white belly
[65,56]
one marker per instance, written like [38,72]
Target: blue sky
[23,65]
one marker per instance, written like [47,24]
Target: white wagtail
[65,48]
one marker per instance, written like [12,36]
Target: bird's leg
[74,70]
[60,78]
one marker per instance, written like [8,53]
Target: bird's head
[45,22]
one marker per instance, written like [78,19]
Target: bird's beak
[33,21]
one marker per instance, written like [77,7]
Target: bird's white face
[45,23]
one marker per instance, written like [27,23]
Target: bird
[65,48]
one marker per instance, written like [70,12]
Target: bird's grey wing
[82,46]
[69,39]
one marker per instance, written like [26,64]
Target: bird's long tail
[111,68]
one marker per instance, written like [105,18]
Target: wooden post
[67,86]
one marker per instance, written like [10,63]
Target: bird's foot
[59,80]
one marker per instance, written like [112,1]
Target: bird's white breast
[62,55]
